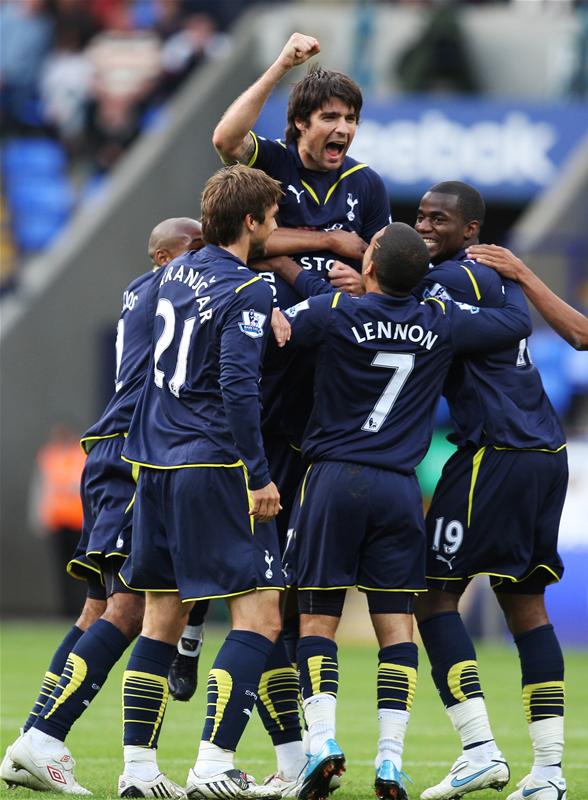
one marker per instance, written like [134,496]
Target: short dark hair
[229,195]
[470,202]
[318,86]
[401,259]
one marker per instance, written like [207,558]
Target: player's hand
[264,503]
[281,327]
[499,258]
[347,244]
[298,49]
[345,278]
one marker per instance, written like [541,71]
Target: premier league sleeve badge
[252,324]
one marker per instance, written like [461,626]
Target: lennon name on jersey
[394,331]
[191,277]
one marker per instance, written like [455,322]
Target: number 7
[403,363]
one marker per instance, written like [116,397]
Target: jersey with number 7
[381,364]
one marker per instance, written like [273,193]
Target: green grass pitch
[431,745]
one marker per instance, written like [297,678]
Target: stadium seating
[38,193]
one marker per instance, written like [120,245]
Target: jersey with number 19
[196,428]
[497,506]
[381,365]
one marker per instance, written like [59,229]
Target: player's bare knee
[91,612]
[429,604]
[319,625]
[258,612]
[523,612]
[125,611]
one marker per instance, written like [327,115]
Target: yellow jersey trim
[95,439]
[293,446]
[346,174]
[474,282]
[74,562]
[354,586]
[335,300]
[374,589]
[303,487]
[436,300]
[182,466]
[203,597]
[340,178]
[253,158]
[311,192]
[477,460]
[501,575]
[531,449]
[248,283]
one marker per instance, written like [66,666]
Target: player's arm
[290,241]
[309,319]
[480,329]
[346,279]
[563,318]
[305,283]
[232,138]
[242,344]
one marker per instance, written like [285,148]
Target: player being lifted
[336,205]
[196,436]
[495,511]
[358,518]
[112,614]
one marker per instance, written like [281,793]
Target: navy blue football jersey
[352,198]
[133,342]
[200,402]
[497,397]
[381,365]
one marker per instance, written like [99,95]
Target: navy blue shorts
[354,525]
[496,512]
[287,468]
[108,488]
[192,533]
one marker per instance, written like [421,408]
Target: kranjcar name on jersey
[200,403]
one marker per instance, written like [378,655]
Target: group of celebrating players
[275,389]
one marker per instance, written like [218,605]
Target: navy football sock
[277,703]
[54,670]
[397,675]
[145,691]
[542,671]
[291,634]
[233,685]
[198,613]
[318,666]
[453,658]
[86,668]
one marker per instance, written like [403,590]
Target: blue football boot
[319,771]
[389,782]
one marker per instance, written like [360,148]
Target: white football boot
[228,784]
[160,786]
[287,787]
[540,789]
[53,765]
[469,776]
[14,775]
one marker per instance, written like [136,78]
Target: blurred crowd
[80,80]
[92,71]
